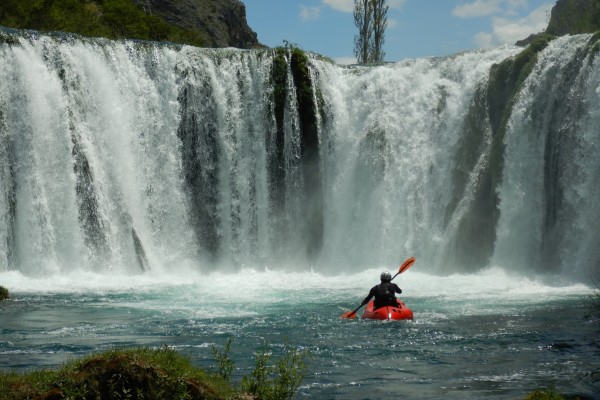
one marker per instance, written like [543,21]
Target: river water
[487,335]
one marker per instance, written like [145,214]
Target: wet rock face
[223,21]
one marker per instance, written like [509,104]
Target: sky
[416,28]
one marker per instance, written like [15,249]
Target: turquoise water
[488,335]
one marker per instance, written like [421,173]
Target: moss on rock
[291,76]
[495,102]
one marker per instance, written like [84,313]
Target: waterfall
[550,188]
[130,156]
[395,136]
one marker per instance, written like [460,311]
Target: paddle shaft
[357,308]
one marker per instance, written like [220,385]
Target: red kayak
[388,312]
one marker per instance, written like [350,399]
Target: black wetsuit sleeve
[369,297]
[397,289]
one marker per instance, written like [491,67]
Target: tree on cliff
[370,17]
[362,20]
[380,10]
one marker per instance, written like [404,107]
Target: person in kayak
[384,293]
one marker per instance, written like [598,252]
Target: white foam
[272,286]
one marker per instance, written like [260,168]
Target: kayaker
[384,293]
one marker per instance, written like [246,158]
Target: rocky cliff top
[574,17]
[223,21]
[570,17]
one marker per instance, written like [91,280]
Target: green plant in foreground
[4,293]
[278,381]
[545,394]
[224,364]
[120,374]
[158,374]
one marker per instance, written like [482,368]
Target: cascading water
[550,180]
[124,155]
[395,134]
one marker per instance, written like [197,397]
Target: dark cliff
[222,21]
[570,17]
[574,17]
[203,23]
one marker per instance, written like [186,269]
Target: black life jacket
[385,295]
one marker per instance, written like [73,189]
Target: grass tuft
[151,374]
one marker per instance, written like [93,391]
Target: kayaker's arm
[369,297]
[397,289]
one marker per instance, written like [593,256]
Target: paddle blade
[349,315]
[406,265]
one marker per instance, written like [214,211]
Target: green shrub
[120,374]
[114,19]
[158,374]
[278,381]
[3,293]
[224,364]
[545,394]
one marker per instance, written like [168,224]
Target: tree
[370,17]
[363,17]
[380,10]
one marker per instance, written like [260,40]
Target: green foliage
[291,58]
[224,364]
[545,394]
[158,374]
[279,74]
[301,75]
[278,380]
[120,374]
[114,19]
[569,17]
[370,17]
[258,382]
[515,70]
[3,293]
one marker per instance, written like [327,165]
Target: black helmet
[385,276]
